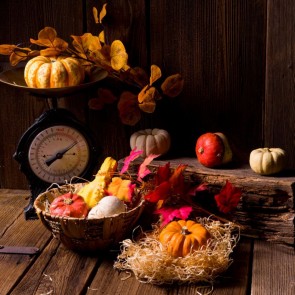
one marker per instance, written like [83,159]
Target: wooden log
[266,209]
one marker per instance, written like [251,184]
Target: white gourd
[106,207]
[151,141]
[267,161]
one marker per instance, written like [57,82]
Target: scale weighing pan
[15,77]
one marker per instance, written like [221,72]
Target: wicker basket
[86,235]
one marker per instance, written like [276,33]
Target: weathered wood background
[237,59]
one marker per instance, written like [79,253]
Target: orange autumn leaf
[173,85]
[103,12]
[48,38]
[129,111]
[7,49]
[118,55]
[155,74]
[20,54]
[86,43]
[121,188]
[101,37]
[95,15]
[147,99]
[138,75]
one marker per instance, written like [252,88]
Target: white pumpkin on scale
[151,141]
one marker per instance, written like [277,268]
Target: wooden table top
[258,267]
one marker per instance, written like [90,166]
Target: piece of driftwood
[266,209]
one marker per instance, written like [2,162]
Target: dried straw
[150,262]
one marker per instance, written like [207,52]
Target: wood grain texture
[218,46]
[279,124]
[277,278]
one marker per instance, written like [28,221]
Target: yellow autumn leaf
[85,44]
[50,51]
[173,85]
[101,37]
[118,55]
[147,99]
[95,15]
[103,12]
[17,57]
[155,74]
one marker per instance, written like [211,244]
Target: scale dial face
[58,153]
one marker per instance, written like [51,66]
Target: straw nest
[148,259]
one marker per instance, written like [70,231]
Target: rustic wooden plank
[21,233]
[218,46]
[279,86]
[273,269]
[13,201]
[66,264]
[30,281]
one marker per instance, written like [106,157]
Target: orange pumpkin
[182,237]
[48,72]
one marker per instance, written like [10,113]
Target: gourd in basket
[66,211]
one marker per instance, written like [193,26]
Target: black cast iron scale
[57,148]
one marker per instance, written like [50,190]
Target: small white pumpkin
[151,141]
[267,161]
[106,207]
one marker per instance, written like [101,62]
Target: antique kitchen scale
[57,147]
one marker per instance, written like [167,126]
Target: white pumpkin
[106,207]
[151,141]
[267,161]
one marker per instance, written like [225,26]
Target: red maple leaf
[168,214]
[161,192]
[163,174]
[228,198]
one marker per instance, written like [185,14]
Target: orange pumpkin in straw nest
[183,236]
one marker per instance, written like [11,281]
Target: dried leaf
[128,108]
[173,85]
[95,15]
[7,49]
[147,99]
[169,214]
[86,43]
[118,54]
[143,170]
[228,198]
[103,12]
[155,74]
[121,188]
[104,96]
[139,76]
[50,52]
[15,58]
[134,154]
[101,37]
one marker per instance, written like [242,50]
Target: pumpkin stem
[185,231]
[201,150]
[68,201]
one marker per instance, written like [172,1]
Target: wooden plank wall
[236,58]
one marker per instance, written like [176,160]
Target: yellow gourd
[48,72]
[183,236]
[151,141]
[267,161]
[94,191]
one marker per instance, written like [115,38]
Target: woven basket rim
[57,218]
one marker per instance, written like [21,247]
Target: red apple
[213,149]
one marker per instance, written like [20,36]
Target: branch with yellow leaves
[92,51]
